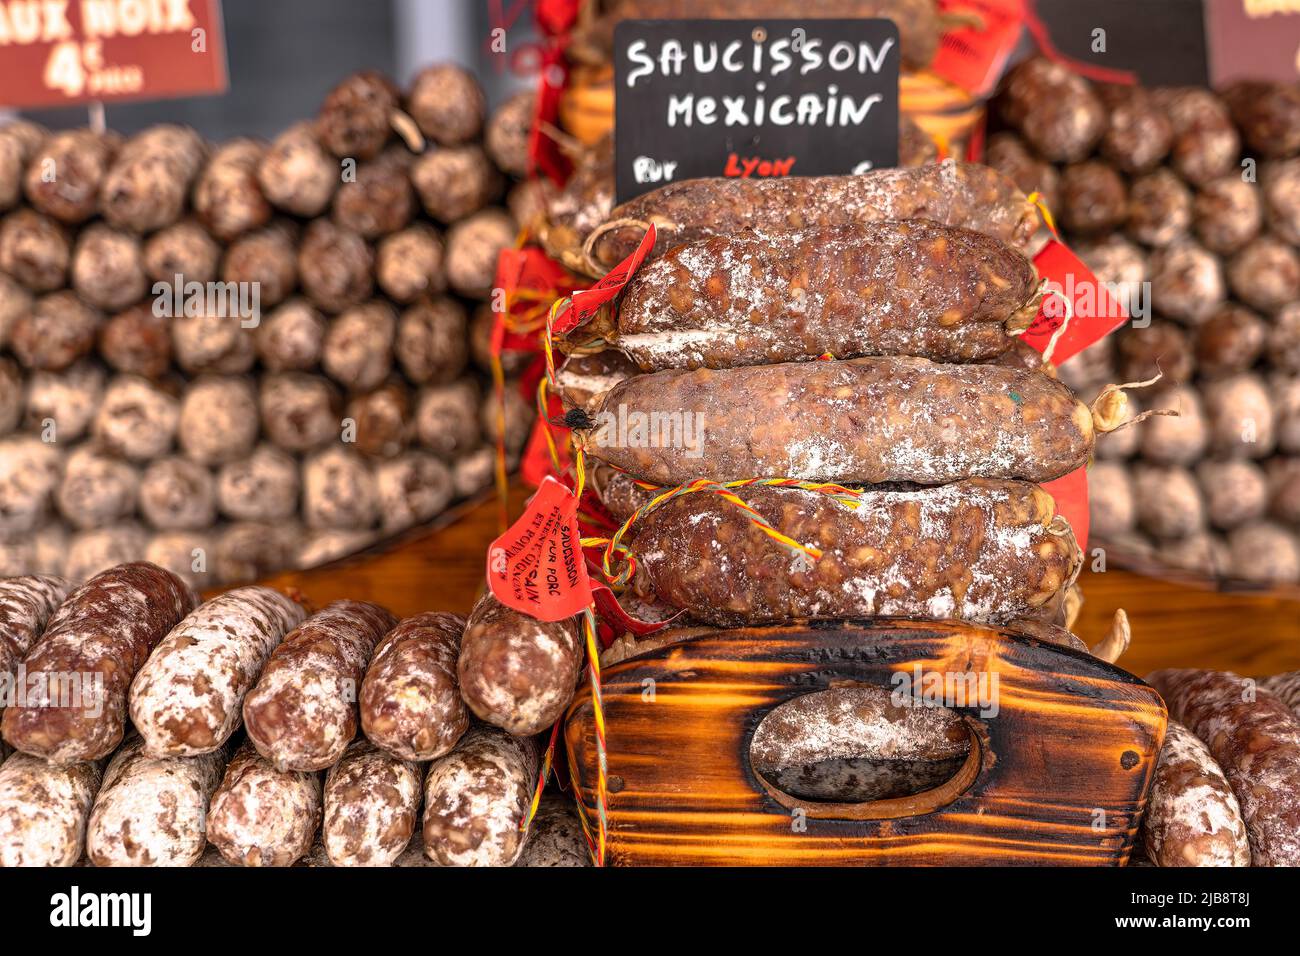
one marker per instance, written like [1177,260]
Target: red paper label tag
[1071,495]
[60,54]
[974,58]
[584,305]
[1095,312]
[537,567]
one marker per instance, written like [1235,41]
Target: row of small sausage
[131,640]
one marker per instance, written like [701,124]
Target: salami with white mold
[1192,817]
[303,712]
[950,193]
[516,672]
[979,550]
[410,702]
[186,699]
[860,421]
[372,803]
[151,811]
[43,810]
[476,797]
[26,604]
[1255,738]
[260,816]
[103,632]
[874,288]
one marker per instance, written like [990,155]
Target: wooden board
[1174,625]
[1073,797]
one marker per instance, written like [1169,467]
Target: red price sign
[64,52]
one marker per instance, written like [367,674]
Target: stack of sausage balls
[237,358]
[1197,195]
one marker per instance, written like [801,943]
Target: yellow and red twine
[1036,198]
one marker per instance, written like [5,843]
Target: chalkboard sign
[754,98]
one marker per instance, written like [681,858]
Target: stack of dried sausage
[223,443]
[125,702]
[833,333]
[912,284]
[1197,195]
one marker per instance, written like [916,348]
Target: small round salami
[97,489]
[303,712]
[108,267]
[447,104]
[296,174]
[446,418]
[1281,184]
[137,419]
[177,494]
[64,174]
[432,341]
[66,400]
[473,246]
[265,260]
[455,182]
[260,816]
[299,411]
[410,703]
[137,342]
[89,553]
[475,798]
[1192,817]
[411,489]
[516,672]
[1229,214]
[379,200]
[43,810]
[291,338]
[186,699]
[186,554]
[382,419]
[34,249]
[227,197]
[262,487]
[248,550]
[1186,282]
[151,811]
[358,348]
[59,329]
[336,266]
[218,420]
[338,491]
[29,473]
[408,264]
[1112,505]
[148,183]
[506,137]
[1159,208]
[372,801]
[184,249]
[354,119]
